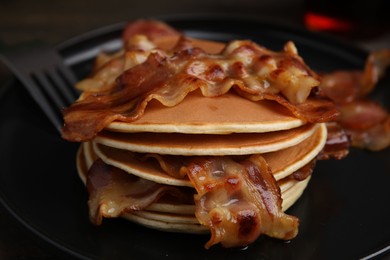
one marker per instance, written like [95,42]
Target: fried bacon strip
[113,191]
[304,172]
[170,164]
[344,86]
[238,201]
[150,28]
[366,122]
[337,143]
[121,89]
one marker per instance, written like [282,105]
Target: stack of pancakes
[226,125]
[225,163]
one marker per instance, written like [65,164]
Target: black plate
[344,211]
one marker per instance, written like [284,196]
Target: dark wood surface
[50,21]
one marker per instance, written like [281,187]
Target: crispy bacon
[89,116]
[366,122]
[113,191]
[171,164]
[152,29]
[107,69]
[344,86]
[337,143]
[238,201]
[252,70]
[304,172]
[280,71]
[314,109]
[362,115]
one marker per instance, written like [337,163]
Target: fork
[48,80]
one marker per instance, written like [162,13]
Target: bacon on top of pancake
[121,87]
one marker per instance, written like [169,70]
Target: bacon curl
[239,201]
[113,192]
[365,121]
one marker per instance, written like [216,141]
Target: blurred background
[365,23]
[57,20]
[361,23]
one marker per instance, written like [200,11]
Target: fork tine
[62,86]
[44,83]
[65,73]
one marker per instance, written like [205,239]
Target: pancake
[86,153]
[174,208]
[85,158]
[285,161]
[205,144]
[166,226]
[282,162]
[228,113]
[146,169]
[81,165]
[167,217]
[291,195]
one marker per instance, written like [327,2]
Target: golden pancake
[291,195]
[166,226]
[282,162]
[224,114]
[205,144]
[286,161]
[167,217]
[85,158]
[81,164]
[146,169]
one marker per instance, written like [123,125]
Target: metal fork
[48,80]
